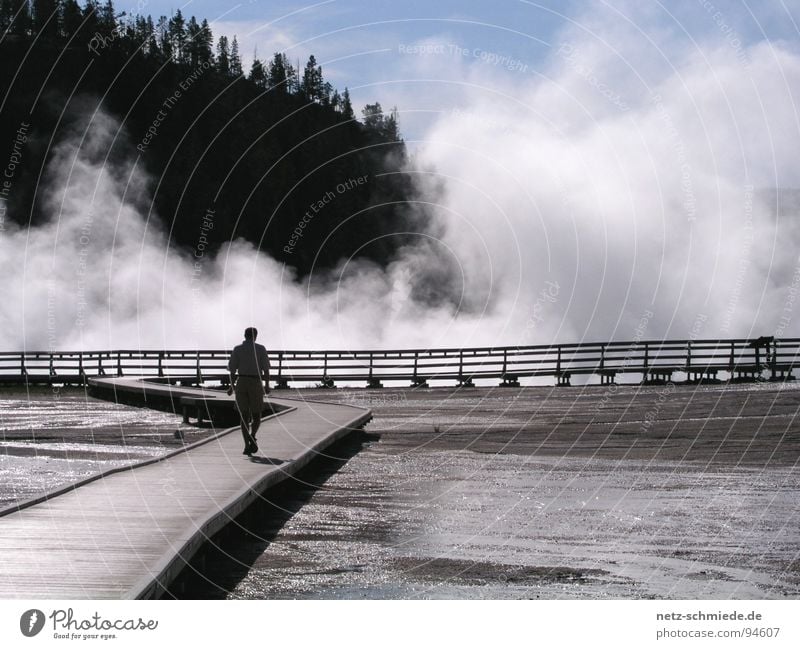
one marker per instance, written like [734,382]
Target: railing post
[689,355]
[22,370]
[199,377]
[119,364]
[81,373]
[370,369]
[160,364]
[372,382]
[558,362]
[773,359]
[52,367]
[731,363]
[505,362]
[602,357]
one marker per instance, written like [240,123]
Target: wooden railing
[653,360]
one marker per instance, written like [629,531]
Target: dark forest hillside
[260,146]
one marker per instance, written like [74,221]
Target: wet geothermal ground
[667,492]
[590,492]
[52,438]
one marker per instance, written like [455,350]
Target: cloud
[637,185]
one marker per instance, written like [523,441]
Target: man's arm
[233,365]
[264,365]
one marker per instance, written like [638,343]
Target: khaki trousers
[250,402]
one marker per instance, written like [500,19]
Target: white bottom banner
[354,624]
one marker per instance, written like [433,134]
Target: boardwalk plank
[126,534]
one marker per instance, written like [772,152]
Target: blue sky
[334,29]
[370,46]
[522,28]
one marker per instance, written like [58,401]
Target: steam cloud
[101,274]
[600,198]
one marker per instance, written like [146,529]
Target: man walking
[249,360]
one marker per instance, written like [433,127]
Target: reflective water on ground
[538,493]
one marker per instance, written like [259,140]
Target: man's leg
[253,412]
[257,406]
[243,405]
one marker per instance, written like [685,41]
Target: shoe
[254,448]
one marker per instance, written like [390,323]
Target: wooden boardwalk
[130,532]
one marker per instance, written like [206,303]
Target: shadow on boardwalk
[226,558]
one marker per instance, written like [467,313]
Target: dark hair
[250,333]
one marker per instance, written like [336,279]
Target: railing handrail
[649,357]
[632,344]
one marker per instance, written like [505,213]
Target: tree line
[259,145]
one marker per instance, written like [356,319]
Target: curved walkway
[129,532]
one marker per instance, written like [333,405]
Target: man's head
[250,333]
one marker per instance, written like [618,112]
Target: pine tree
[312,87]
[277,78]
[46,19]
[152,41]
[130,43]
[177,37]
[144,35]
[236,61]
[106,18]
[223,56]
[140,25]
[373,117]
[327,91]
[347,107]
[391,126]
[205,44]
[164,41]
[23,22]
[192,42]
[91,18]
[71,18]
[292,76]
[257,73]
